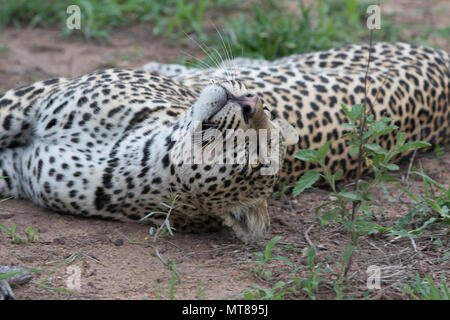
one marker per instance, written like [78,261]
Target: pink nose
[248,104]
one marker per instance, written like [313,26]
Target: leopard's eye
[269,114]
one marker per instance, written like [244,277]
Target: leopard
[112,143]
[118,143]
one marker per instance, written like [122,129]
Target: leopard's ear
[288,131]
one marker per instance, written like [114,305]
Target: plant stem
[362,128]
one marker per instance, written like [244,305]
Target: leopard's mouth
[248,104]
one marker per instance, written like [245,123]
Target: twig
[384,253]
[307,237]
[158,255]
[413,243]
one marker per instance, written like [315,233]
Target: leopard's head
[232,154]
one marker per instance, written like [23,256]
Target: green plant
[353,208]
[426,289]
[165,228]
[172,282]
[440,203]
[10,274]
[264,258]
[430,211]
[201,292]
[271,31]
[187,17]
[311,284]
[277,292]
[97,17]
[32,235]
[171,18]
[12,231]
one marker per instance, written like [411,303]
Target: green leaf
[305,182]
[10,274]
[354,150]
[349,126]
[367,227]
[168,227]
[157,293]
[150,214]
[346,110]
[386,178]
[375,148]
[322,152]
[173,278]
[307,155]
[338,175]
[260,256]
[348,253]
[405,220]
[391,166]
[413,146]
[431,220]
[385,192]
[249,296]
[401,137]
[429,180]
[402,233]
[329,215]
[355,113]
[311,255]
[354,195]
[5,228]
[406,190]
[348,225]
[269,248]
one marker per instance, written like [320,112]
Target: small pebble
[118,242]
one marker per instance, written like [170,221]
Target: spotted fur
[104,144]
[409,83]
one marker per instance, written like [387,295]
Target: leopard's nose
[248,103]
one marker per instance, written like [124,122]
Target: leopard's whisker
[228,53]
[201,63]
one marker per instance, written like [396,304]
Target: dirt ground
[112,259]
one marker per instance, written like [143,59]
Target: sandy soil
[114,259]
